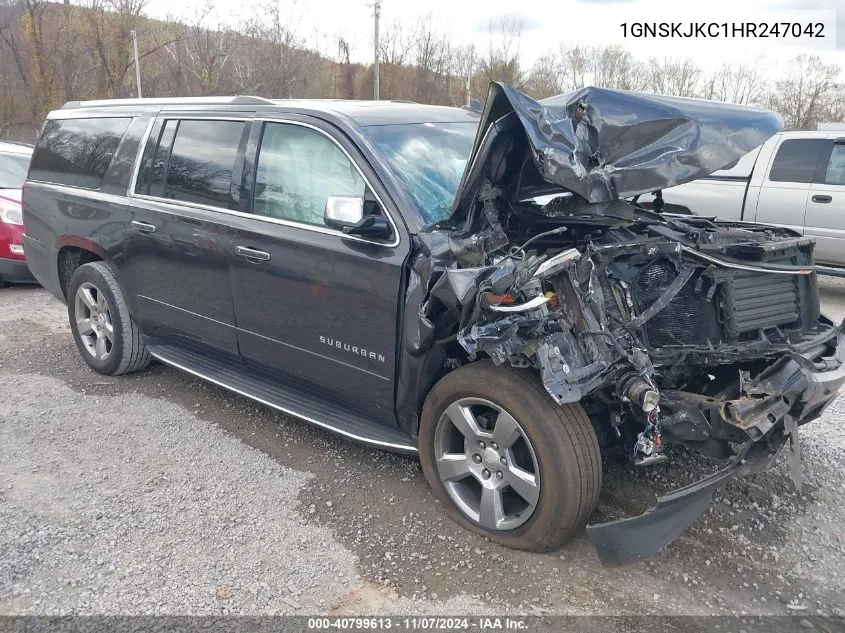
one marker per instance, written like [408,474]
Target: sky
[548,23]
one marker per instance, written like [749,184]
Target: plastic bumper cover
[15,271]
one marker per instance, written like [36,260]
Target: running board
[830,270]
[285,399]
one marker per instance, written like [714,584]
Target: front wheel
[507,461]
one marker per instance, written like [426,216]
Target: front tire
[106,336]
[507,461]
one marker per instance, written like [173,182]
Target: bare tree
[603,66]
[462,66]
[277,62]
[614,67]
[347,68]
[51,51]
[203,51]
[808,93]
[740,83]
[395,49]
[678,77]
[431,52]
[34,49]
[107,26]
[544,78]
[502,61]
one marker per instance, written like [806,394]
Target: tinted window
[201,161]
[429,158]
[77,152]
[13,170]
[835,173]
[298,169]
[796,160]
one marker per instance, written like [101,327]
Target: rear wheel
[507,461]
[106,336]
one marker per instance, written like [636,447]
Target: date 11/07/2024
[421,623]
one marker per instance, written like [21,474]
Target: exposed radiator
[687,320]
[744,303]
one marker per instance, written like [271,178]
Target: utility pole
[376,16]
[137,61]
[469,85]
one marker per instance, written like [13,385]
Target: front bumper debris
[794,390]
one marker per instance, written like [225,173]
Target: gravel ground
[158,493]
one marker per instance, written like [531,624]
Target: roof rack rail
[225,100]
[250,100]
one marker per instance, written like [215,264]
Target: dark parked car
[14,162]
[483,290]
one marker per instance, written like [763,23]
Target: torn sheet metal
[608,145]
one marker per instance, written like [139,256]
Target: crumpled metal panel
[608,144]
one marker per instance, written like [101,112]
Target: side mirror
[343,211]
[347,214]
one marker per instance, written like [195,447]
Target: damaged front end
[667,329]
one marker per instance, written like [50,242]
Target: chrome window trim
[94,194]
[130,193]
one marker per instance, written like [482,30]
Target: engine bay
[640,316]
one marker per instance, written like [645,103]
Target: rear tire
[106,336]
[557,449]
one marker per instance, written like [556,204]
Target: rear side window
[796,160]
[77,152]
[835,172]
[191,160]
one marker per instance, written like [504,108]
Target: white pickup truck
[795,179]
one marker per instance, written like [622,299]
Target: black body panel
[319,319]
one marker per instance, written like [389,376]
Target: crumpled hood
[605,145]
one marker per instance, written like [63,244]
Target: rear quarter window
[77,152]
[835,172]
[13,168]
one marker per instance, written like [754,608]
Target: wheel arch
[72,254]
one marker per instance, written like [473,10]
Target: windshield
[429,158]
[13,170]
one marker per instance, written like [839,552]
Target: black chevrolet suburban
[484,289]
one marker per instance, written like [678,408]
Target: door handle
[822,199]
[143,227]
[252,254]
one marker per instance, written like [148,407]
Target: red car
[14,163]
